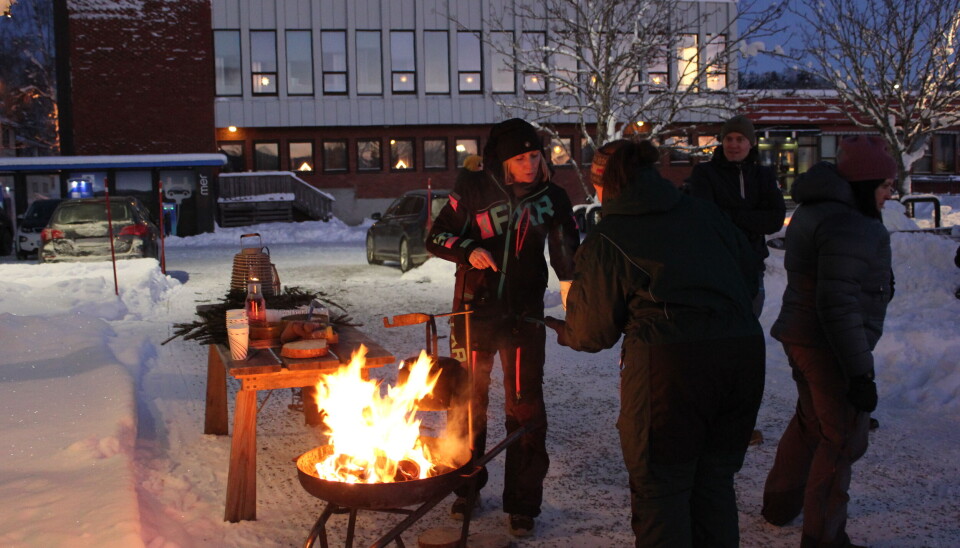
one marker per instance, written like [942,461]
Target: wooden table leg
[242,474]
[215,414]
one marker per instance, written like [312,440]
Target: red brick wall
[142,77]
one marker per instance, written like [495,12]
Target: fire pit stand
[432,498]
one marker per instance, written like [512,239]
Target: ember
[375,438]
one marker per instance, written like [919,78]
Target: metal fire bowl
[376,496]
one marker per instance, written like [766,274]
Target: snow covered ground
[101,424]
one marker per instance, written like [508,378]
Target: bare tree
[893,65]
[28,74]
[615,67]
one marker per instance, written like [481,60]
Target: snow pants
[815,457]
[686,415]
[520,346]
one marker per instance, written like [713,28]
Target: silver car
[79,231]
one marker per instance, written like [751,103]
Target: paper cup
[239,336]
[237,313]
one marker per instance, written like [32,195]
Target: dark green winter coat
[839,279]
[661,267]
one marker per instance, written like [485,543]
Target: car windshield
[40,210]
[87,212]
[437,204]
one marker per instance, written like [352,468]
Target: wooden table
[264,369]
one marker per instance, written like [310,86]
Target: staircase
[270,196]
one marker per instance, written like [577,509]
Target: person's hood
[820,183]
[646,192]
[720,158]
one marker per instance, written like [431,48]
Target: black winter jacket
[482,212]
[839,279]
[760,209]
[661,267]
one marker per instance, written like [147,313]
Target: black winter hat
[512,137]
[742,125]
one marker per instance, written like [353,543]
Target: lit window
[401,155]
[301,156]
[716,51]
[657,76]
[532,45]
[466,147]
[468,61]
[404,75]
[560,150]
[263,61]
[687,61]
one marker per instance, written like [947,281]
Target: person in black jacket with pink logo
[495,228]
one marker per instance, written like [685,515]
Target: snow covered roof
[49,163]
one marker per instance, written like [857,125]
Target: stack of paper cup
[238,333]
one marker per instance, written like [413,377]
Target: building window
[301,155]
[687,61]
[828,148]
[333,45]
[945,153]
[716,51]
[401,155]
[466,147]
[299,62]
[627,82]
[435,153]
[658,76]
[369,66]
[468,62]
[586,152]
[565,71]
[335,156]
[403,62]
[502,74]
[679,148]
[436,65]
[561,151]
[266,156]
[226,46]
[368,155]
[233,150]
[533,43]
[263,61]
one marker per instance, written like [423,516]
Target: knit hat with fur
[742,125]
[865,158]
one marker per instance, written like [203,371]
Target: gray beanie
[742,125]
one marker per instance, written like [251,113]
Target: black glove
[863,393]
[559,326]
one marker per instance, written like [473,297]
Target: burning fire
[374,438]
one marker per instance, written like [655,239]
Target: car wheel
[405,262]
[371,253]
[22,255]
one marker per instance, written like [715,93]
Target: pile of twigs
[211,328]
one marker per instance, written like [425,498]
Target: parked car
[78,231]
[398,234]
[31,223]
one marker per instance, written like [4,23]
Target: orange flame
[374,438]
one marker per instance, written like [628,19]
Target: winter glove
[862,393]
[564,289]
[559,326]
